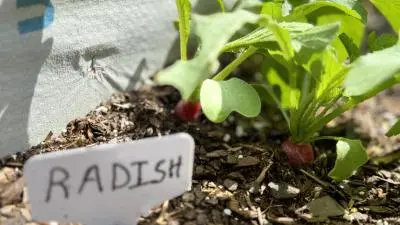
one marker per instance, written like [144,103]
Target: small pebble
[384,173]
[283,190]
[7,210]
[211,185]
[239,132]
[262,188]
[231,185]
[226,138]
[26,214]
[102,109]
[228,212]
[248,161]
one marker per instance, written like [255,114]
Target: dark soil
[238,165]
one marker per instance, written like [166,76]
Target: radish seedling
[312,54]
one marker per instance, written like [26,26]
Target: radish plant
[313,69]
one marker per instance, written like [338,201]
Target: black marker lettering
[60,182]
[87,178]
[114,176]
[139,174]
[173,165]
[162,172]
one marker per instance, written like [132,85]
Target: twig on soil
[163,214]
[259,216]
[316,179]
[248,201]
[257,183]
[324,184]
[252,147]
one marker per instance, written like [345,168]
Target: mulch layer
[240,175]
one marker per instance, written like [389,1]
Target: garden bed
[240,174]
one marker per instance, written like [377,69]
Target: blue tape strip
[36,23]
[24,3]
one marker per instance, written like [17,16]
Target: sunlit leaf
[395,130]
[289,97]
[327,12]
[301,34]
[214,32]
[273,9]
[220,98]
[264,37]
[351,155]
[330,82]
[282,37]
[356,5]
[248,4]
[372,70]
[318,37]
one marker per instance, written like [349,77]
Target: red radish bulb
[188,111]
[298,154]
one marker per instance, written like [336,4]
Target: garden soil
[240,174]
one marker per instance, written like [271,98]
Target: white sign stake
[110,184]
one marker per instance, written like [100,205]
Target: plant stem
[223,74]
[182,43]
[277,102]
[221,5]
[323,137]
[293,115]
[354,101]
[314,127]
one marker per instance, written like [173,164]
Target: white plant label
[110,184]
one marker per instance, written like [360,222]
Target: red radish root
[188,111]
[298,154]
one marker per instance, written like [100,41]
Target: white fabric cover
[47,50]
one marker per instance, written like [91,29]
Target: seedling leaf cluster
[312,69]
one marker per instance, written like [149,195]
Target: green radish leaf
[273,9]
[395,130]
[329,84]
[184,8]
[352,50]
[318,37]
[373,70]
[391,10]
[326,12]
[248,4]
[306,11]
[379,43]
[220,98]
[289,98]
[359,7]
[356,5]
[214,32]
[283,39]
[221,5]
[264,37]
[351,155]
[302,34]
